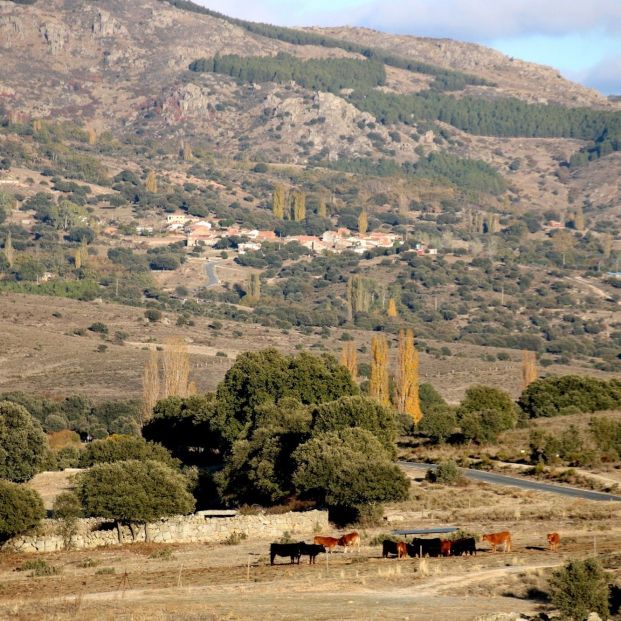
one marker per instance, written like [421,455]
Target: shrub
[67,510]
[487,399]
[153,315]
[99,327]
[22,443]
[446,473]
[580,588]
[482,427]
[39,568]
[21,509]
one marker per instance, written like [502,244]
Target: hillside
[334,172]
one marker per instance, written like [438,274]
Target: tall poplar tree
[150,386]
[529,368]
[151,182]
[378,381]
[349,358]
[363,222]
[406,378]
[278,201]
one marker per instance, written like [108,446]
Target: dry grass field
[41,352]
[206,582]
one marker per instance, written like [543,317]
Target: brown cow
[350,540]
[329,543]
[398,548]
[445,547]
[554,540]
[496,539]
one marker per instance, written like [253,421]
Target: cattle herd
[418,547]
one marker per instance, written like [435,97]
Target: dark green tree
[23,444]
[580,588]
[487,399]
[21,509]
[122,448]
[133,492]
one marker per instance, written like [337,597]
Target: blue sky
[582,39]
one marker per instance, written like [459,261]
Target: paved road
[212,277]
[501,479]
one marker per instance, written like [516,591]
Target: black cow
[425,547]
[397,548]
[467,545]
[292,550]
[312,549]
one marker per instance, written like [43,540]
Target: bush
[552,396]
[579,588]
[153,315]
[21,509]
[123,447]
[446,473]
[22,443]
[482,427]
[39,568]
[486,399]
[99,327]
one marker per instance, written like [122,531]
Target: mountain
[115,115]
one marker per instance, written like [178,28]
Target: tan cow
[554,540]
[496,539]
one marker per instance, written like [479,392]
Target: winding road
[501,479]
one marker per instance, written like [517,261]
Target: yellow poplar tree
[278,201]
[151,182]
[322,209]
[392,308]
[299,206]
[150,386]
[579,219]
[378,381]
[176,367]
[406,378]
[91,135]
[9,253]
[186,151]
[349,359]
[77,259]
[363,222]
[529,368]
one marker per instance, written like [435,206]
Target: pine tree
[363,222]
[91,136]
[349,358]
[150,386]
[278,201]
[9,252]
[529,368]
[378,381]
[392,308]
[176,367]
[151,183]
[406,378]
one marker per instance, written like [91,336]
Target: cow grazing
[292,550]
[554,540]
[395,548]
[425,547]
[445,547]
[329,543]
[312,550]
[496,539]
[350,540]
[466,545]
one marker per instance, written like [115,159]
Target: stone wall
[92,533]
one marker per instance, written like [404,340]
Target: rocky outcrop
[55,35]
[104,25]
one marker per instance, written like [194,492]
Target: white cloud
[605,76]
[475,20]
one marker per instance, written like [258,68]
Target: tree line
[331,75]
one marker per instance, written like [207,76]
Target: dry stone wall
[92,533]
